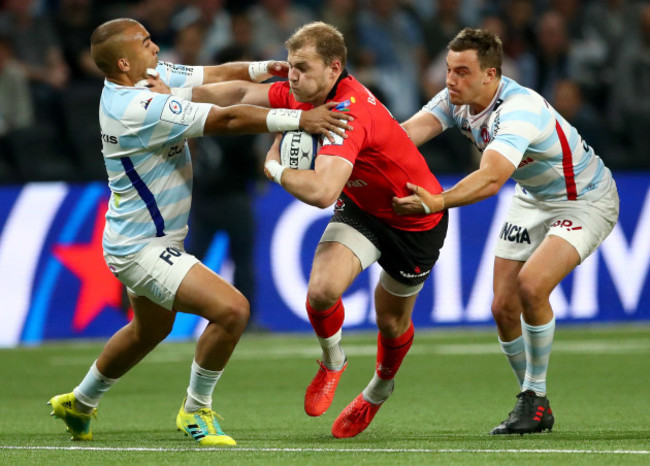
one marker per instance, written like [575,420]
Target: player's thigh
[155,271]
[504,277]
[334,268]
[584,224]
[149,317]
[553,260]
[204,293]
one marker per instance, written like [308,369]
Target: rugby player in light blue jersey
[565,203]
[150,177]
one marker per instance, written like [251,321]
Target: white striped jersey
[147,158]
[553,162]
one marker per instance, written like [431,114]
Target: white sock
[333,355]
[515,352]
[378,390]
[199,392]
[538,340]
[91,389]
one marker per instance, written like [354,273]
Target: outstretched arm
[421,127]
[227,84]
[485,182]
[233,92]
[249,71]
[241,119]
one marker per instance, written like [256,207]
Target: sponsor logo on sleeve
[179,112]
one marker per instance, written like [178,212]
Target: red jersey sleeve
[280,97]
[349,148]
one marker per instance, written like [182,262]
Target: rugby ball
[298,150]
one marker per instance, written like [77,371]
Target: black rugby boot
[532,414]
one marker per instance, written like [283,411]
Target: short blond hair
[326,39]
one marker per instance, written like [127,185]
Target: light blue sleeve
[180,75]
[440,107]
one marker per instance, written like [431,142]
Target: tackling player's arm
[233,92]
[249,71]
[494,171]
[242,119]
[319,187]
[228,84]
[422,127]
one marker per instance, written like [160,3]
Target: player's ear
[490,75]
[123,65]
[336,67]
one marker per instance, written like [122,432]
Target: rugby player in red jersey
[359,173]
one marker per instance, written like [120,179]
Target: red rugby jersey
[383,156]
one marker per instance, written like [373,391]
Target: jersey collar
[332,93]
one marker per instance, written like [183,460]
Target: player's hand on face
[154,83]
[324,120]
[273,154]
[412,205]
[278,68]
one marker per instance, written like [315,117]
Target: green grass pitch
[453,387]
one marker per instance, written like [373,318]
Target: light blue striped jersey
[147,158]
[553,162]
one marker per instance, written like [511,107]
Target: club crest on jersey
[175,106]
[514,233]
[339,206]
[485,134]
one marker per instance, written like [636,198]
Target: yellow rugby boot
[203,427]
[77,423]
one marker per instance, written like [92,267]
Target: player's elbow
[325,197]
[324,202]
[224,120]
[492,188]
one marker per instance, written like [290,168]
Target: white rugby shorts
[584,223]
[155,271]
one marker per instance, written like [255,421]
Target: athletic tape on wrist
[427,211]
[283,119]
[258,71]
[275,169]
[182,92]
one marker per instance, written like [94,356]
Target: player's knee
[505,310]
[321,299]
[531,291]
[321,294]
[392,326]
[234,314]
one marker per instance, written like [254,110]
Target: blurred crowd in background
[589,58]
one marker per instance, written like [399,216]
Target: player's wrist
[283,119]
[275,170]
[258,71]
[182,92]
